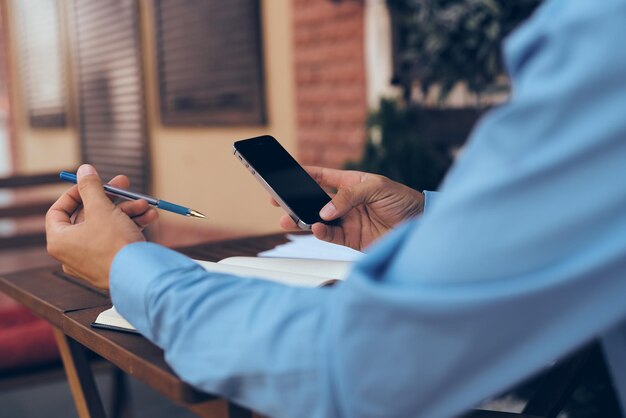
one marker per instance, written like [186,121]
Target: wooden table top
[72,306]
[49,293]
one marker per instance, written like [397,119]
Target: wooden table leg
[221,408]
[216,408]
[79,377]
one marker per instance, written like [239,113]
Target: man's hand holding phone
[369,205]
[365,206]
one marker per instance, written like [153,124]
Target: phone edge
[302,225]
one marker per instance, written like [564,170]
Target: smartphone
[286,181]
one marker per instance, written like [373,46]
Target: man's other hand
[369,205]
[85,229]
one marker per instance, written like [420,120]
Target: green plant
[447,41]
[397,150]
[436,42]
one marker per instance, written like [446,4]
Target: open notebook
[290,271]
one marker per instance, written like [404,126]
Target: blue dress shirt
[519,261]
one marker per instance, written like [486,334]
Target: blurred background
[159,89]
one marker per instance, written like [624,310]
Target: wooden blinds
[41,61]
[5,128]
[210,62]
[110,91]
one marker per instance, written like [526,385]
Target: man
[520,259]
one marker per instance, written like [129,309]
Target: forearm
[256,342]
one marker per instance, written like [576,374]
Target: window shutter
[5,109]
[110,89]
[210,62]
[41,61]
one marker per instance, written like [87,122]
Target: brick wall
[330,80]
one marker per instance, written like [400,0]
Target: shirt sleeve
[520,261]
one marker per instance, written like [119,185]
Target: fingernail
[328,211]
[86,170]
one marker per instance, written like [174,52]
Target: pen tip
[196,214]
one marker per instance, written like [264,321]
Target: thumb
[90,189]
[346,199]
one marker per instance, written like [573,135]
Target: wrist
[116,250]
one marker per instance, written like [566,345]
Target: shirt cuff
[429,199]
[136,267]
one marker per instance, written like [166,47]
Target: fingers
[140,212]
[321,231]
[60,213]
[274,202]
[287,223]
[134,208]
[349,197]
[150,216]
[90,189]
[68,270]
[62,210]
[329,233]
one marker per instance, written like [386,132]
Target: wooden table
[71,306]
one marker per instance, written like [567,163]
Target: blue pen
[116,191]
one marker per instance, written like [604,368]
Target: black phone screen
[285,176]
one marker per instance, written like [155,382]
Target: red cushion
[11,316]
[25,340]
[6,301]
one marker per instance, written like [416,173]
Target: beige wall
[195,166]
[191,166]
[36,149]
